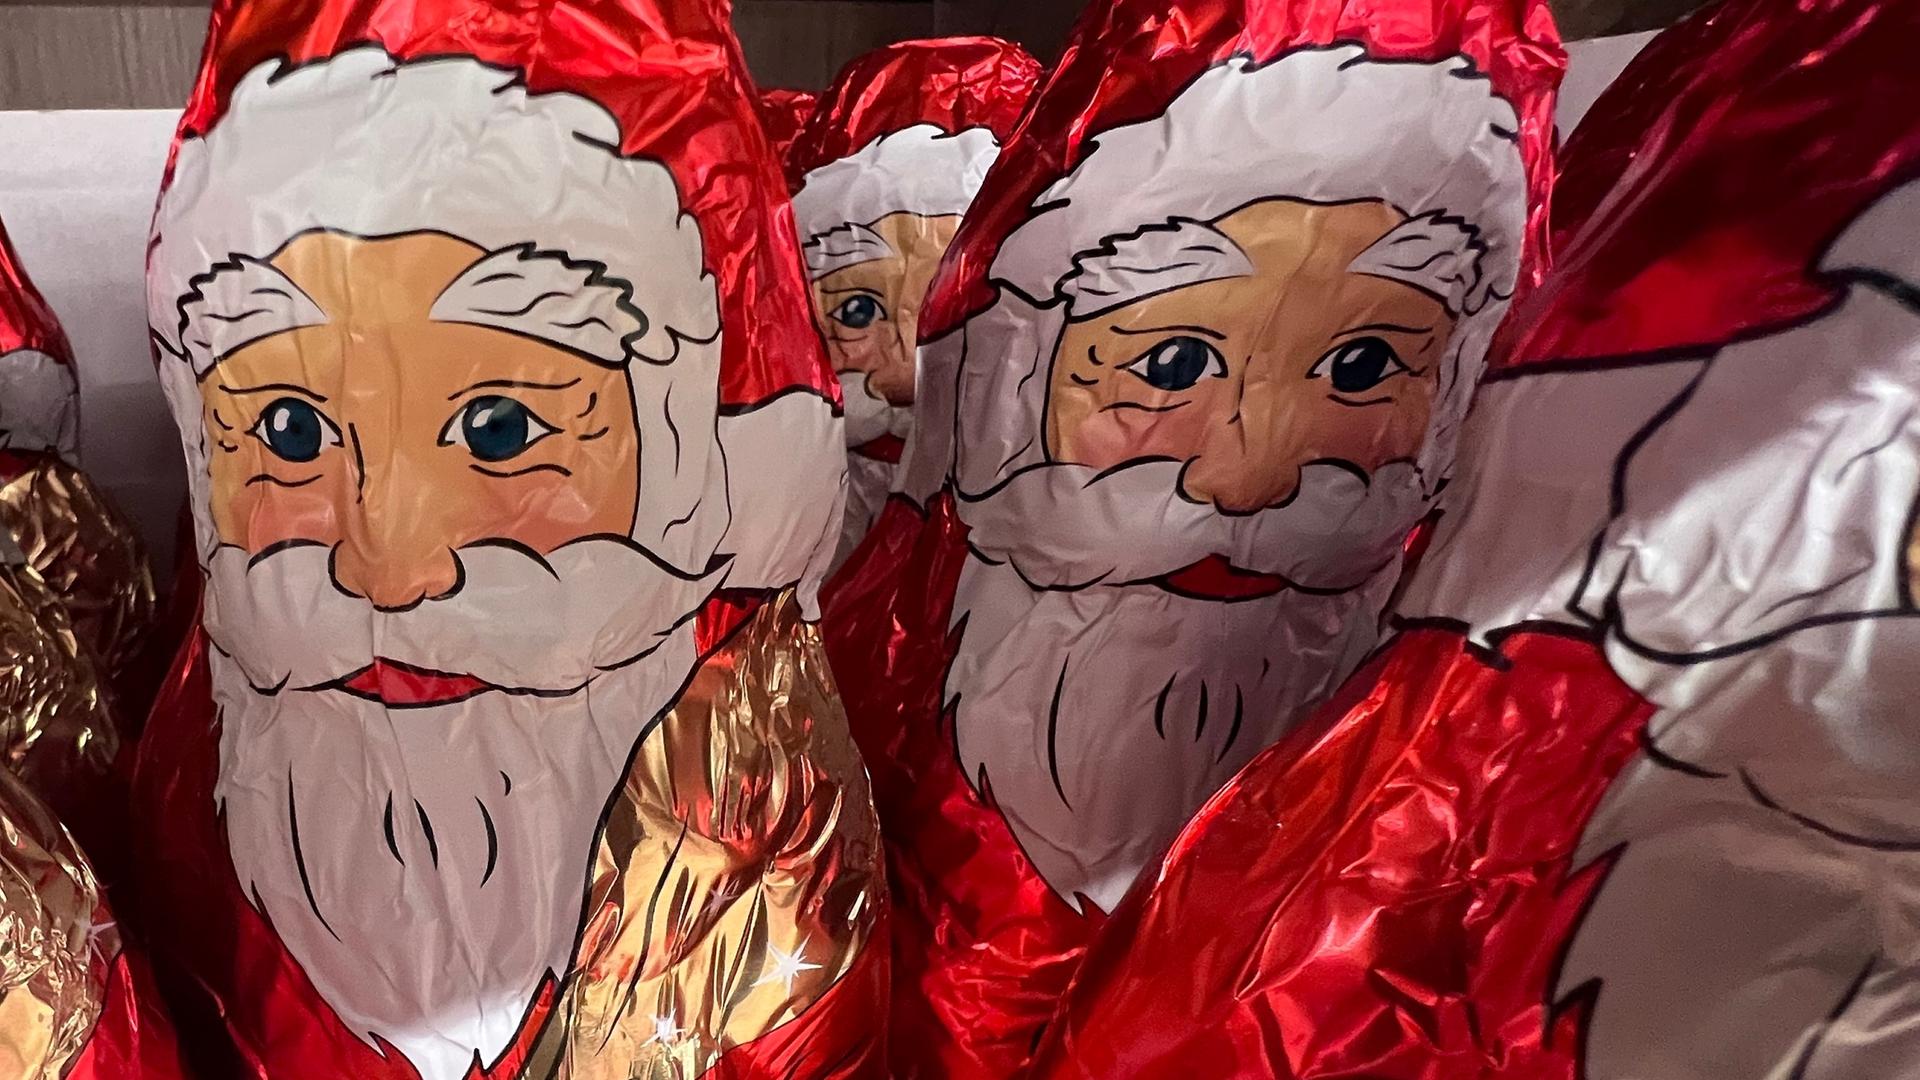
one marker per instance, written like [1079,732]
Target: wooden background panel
[96,54]
[804,42]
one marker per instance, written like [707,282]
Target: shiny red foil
[1392,891]
[26,322]
[671,74]
[134,1038]
[954,83]
[783,112]
[983,947]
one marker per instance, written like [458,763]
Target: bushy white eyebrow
[1440,255]
[842,246]
[545,295]
[1154,259]
[237,303]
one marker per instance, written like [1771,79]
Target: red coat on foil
[1047,673]
[513,468]
[1616,801]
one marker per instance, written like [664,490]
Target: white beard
[427,866]
[1100,717]
[1763,916]
[1731,942]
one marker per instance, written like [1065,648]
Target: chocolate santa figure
[889,162]
[1631,793]
[1192,369]
[506,746]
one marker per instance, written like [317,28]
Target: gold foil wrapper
[56,729]
[739,873]
[56,941]
[88,555]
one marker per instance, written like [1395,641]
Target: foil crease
[737,878]
[55,941]
[1629,794]
[1060,638]
[56,728]
[89,557]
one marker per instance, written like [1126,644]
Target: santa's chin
[426,867]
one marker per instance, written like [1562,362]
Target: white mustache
[869,415]
[517,620]
[1068,526]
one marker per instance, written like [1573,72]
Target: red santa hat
[783,112]
[910,128]
[39,399]
[950,83]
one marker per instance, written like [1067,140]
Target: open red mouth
[886,448]
[403,686]
[1214,578]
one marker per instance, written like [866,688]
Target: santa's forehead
[368,276]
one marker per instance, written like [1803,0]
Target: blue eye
[1359,365]
[858,312]
[494,428]
[295,430]
[1177,363]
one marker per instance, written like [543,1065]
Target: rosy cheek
[1109,438]
[264,515]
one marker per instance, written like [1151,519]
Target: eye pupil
[1177,363]
[1361,365]
[496,428]
[857,312]
[293,429]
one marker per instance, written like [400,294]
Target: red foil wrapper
[888,164]
[1625,793]
[1190,372]
[75,1001]
[783,112]
[505,746]
[71,535]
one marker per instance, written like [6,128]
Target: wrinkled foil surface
[56,943]
[1627,791]
[1051,650]
[783,112]
[89,555]
[505,745]
[56,726]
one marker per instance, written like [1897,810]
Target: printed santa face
[1219,384]
[1329,362]
[867,297]
[873,226]
[458,495]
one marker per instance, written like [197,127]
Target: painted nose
[395,550]
[1250,463]
[394,573]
